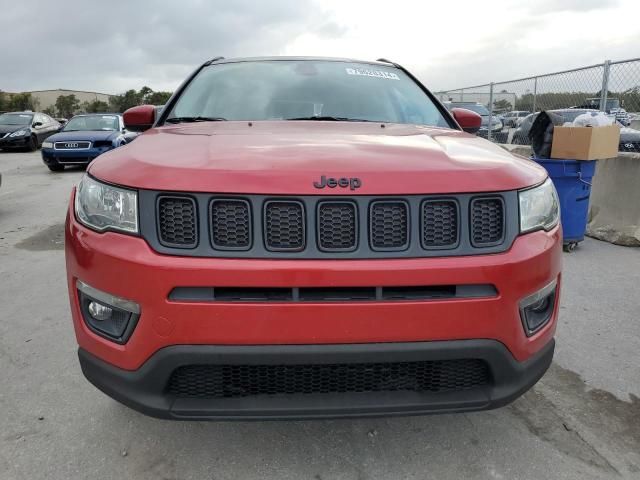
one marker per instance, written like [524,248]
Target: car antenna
[214,59]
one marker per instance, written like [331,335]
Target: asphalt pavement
[582,421]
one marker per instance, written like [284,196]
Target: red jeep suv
[311,237]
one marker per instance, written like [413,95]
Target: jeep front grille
[309,227]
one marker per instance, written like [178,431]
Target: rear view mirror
[140,118]
[37,124]
[468,120]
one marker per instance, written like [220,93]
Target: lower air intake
[233,381]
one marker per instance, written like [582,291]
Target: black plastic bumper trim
[144,389]
[330,294]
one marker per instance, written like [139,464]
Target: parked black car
[629,137]
[25,129]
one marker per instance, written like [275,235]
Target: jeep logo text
[344,182]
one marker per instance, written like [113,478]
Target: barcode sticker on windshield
[365,72]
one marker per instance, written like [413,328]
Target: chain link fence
[509,107]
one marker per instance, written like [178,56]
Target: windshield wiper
[332,119]
[195,119]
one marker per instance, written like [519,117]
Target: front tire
[33,144]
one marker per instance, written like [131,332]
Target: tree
[49,111]
[96,106]
[149,97]
[144,93]
[22,101]
[132,98]
[158,98]
[128,99]
[3,101]
[502,105]
[67,105]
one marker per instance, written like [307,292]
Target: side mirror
[37,124]
[140,118]
[469,121]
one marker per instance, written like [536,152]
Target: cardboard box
[585,143]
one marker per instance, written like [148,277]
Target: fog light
[107,315]
[536,310]
[99,311]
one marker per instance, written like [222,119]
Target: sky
[113,45]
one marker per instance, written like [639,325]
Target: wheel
[33,144]
[570,247]
[55,168]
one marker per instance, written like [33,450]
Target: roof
[285,58]
[97,113]
[70,91]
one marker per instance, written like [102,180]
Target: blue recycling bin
[572,179]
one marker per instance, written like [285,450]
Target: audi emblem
[71,145]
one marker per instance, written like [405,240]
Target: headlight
[47,144]
[539,207]
[19,133]
[104,207]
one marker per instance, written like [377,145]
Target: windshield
[570,115]
[92,122]
[305,89]
[613,103]
[15,119]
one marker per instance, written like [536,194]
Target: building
[47,98]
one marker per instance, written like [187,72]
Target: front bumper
[145,389]
[170,333]
[14,142]
[51,156]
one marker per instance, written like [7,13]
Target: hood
[12,128]
[90,135]
[288,157]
